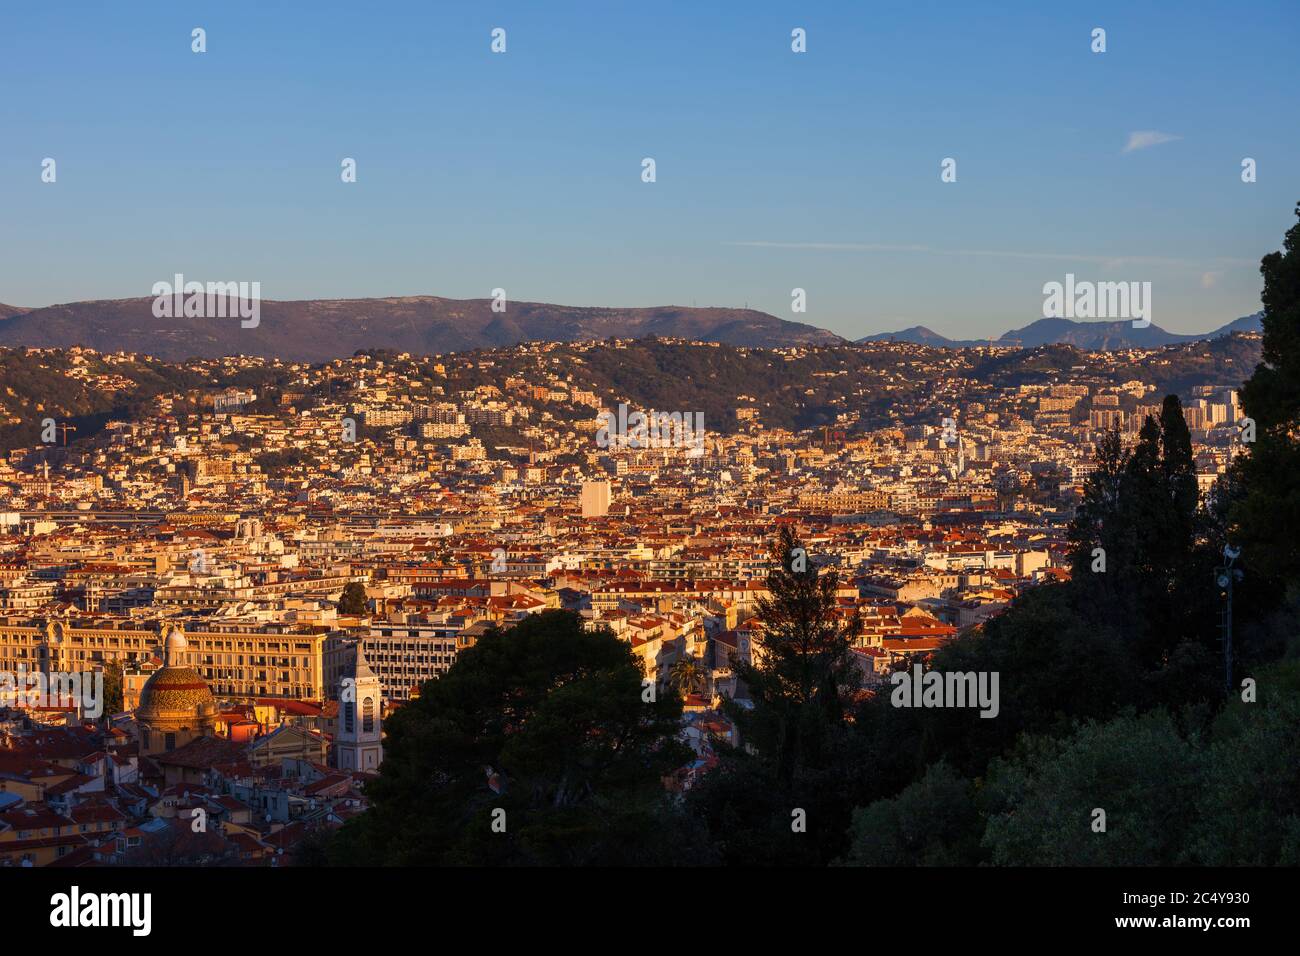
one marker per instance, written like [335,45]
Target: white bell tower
[358,744]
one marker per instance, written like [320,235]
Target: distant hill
[317,330]
[1247,323]
[1090,336]
[917,335]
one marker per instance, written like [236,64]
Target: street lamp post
[1225,576]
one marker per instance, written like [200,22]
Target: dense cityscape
[462,465]
[226,560]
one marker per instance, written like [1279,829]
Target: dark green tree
[1141,771]
[1250,798]
[536,747]
[933,822]
[353,599]
[1054,667]
[113,699]
[803,679]
[1142,554]
[1268,513]
[787,794]
[1100,540]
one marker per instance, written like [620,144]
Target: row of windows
[144,642]
[262,661]
[81,828]
[216,673]
[419,663]
[300,691]
[410,644]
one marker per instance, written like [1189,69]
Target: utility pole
[1225,576]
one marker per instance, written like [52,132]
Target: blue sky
[775,170]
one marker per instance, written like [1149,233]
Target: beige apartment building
[236,660]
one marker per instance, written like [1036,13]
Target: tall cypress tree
[1267,516]
[1179,468]
[1142,509]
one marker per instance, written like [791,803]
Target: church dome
[173,691]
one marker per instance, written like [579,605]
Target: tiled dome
[172,690]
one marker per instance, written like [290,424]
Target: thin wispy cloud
[1109,261]
[1146,138]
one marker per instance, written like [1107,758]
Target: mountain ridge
[316,330]
[1091,336]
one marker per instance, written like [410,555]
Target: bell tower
[358,744]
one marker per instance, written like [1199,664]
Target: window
[368,715]
[349,711]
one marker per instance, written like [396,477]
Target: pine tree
[797,756]
[803,676]
[545,727]
[1099,541]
